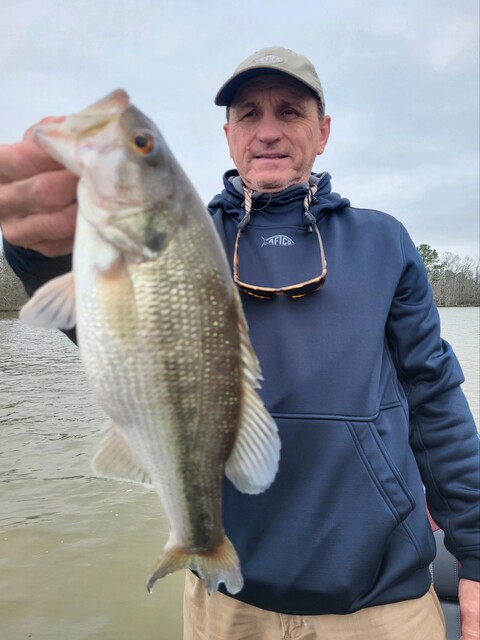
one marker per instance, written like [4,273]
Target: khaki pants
[218,617]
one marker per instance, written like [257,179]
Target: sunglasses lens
[257,292]
[306,289]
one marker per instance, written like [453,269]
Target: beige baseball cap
[276,60]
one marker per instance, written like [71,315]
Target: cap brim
[227,91]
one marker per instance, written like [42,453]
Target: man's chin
[272,185]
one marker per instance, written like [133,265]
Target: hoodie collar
[287,202]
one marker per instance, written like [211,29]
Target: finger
[41,228]
[24,159]
[43,193]
[54,248]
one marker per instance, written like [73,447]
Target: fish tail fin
[220,564]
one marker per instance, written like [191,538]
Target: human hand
[469,597]
[38,205]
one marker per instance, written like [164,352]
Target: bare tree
[455,281]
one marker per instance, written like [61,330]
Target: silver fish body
[161,334]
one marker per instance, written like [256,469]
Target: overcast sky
[401,80]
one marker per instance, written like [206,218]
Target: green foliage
[433,265]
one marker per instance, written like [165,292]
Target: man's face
[274,132]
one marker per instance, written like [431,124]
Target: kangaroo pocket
[319,534]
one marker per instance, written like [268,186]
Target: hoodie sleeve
[443,434]
[35,269]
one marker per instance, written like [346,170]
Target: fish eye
[142,142]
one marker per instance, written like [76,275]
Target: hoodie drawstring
[306,207]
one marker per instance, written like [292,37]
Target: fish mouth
[115,102]
[59,137]
[87,121]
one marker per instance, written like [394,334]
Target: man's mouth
[270,156]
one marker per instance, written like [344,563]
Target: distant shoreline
[440,306]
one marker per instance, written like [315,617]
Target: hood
[266,207]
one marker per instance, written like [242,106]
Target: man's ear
[324,134]
[225,128]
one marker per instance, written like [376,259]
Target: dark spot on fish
[155,240]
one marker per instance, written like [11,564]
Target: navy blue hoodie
[367,400]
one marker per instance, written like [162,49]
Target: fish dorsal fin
[115,459]
[53,305]
[253,463]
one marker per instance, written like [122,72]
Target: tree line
[12,293]
[455,281]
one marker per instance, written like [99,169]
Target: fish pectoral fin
[115,459]
[253,463]
[214,566]
[53,305]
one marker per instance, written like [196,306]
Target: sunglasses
[298,290]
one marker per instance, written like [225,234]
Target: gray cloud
[401,82]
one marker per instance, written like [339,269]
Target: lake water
[75,550]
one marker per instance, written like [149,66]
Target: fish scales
[185,371]
[161,334]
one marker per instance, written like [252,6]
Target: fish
[161,333]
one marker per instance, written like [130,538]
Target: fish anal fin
[214,566]
[253,463]
[115,458]
[53,305]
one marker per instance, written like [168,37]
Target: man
[365,394]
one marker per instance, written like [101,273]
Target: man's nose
[269,129]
